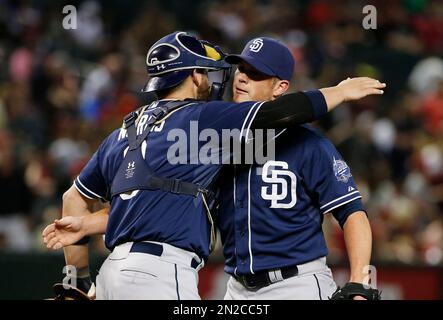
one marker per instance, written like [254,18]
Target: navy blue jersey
[271,215]
[155,215]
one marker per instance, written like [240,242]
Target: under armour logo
[161,67]
[256,45]
[130,170]
[277,179]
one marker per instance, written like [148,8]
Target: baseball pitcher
[273,243]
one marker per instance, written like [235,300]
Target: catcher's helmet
[173,58]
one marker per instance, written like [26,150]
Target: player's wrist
[341,93]
[84,226]
[333,96]
[81,232]
[357,278]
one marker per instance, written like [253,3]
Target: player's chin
[241,97]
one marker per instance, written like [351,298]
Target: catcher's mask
[173,58]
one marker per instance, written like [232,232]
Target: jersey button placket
[241,223]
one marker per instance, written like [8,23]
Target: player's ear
[197,76]
[280,87]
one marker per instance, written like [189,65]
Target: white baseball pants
[127,275]
[313,282]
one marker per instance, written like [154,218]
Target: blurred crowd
[62,91]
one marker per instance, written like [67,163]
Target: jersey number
[271,174]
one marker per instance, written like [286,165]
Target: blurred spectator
[89,32]
[426,75]
[433,110]
[100,86]
[15,199]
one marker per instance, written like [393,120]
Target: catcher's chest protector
[134,172]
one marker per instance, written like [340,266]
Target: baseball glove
[352,289]
[68,292]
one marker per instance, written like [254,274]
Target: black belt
[254,282]
[156,250]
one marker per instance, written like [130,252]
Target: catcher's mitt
[68,292]
[352,289]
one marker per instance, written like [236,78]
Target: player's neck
[185,91]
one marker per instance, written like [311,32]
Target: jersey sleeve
[220,115]
[91,182]
[329,178]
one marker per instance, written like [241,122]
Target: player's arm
[77,222]
[80,200]
[70,229]
[289,110]
[301,107]
[358,239]
[331,182]
[77,205]
[351,89]
[87,192]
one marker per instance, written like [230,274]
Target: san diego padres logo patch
[341,170]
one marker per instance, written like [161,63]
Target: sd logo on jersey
[270,174]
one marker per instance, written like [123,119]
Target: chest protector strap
[134,172]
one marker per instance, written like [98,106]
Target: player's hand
[63,232]
[357,88]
